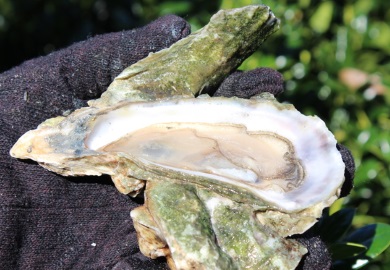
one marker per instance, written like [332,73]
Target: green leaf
[333,227]
[375,236]
[346,250]
[320,21]
[174,7]
[353,263]
[336,206]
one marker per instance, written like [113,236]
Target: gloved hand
[48,221]
[51,222]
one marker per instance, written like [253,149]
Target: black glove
[49,221]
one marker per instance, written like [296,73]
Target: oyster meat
[227,179]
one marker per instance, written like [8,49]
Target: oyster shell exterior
[193,64]
[218,233]
[221,174]
[255,156]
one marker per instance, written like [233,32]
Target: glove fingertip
[349,172]
[171,27]
[250,83]
[318,255]
[89,67]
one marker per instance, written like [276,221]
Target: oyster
[227,179]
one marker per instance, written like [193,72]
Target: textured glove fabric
[318,256]
[349,172]
[249,83]
[51,222]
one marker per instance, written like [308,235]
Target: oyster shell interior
[262,147]
[264,160]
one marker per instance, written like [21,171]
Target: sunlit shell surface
[259,146]
[227,179]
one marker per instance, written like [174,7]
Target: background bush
[334,55]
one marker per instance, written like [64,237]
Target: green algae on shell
[201,60]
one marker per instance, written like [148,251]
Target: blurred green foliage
[334,56]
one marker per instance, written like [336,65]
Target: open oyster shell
[257,156]
[226,179]
[256,151]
